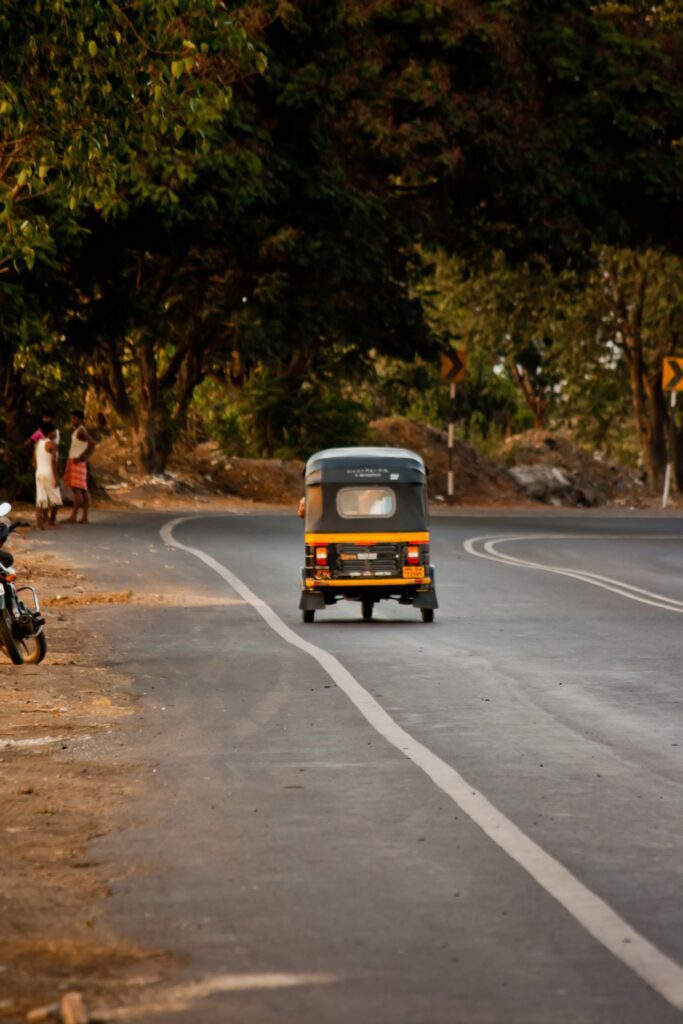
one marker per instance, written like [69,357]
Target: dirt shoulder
[60,788]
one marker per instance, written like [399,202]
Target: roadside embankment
[538,467]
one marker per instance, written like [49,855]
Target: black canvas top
[358,465]
[335,469]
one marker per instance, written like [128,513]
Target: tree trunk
[649,408]
[171,426]
[536,402]
[678,458]
[639,414]
[659,426]
[164,402]
[114,382]
[147,411]
[649,414]
[13,395]
[154,403]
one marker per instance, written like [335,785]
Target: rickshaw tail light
[413,556]
[321,556]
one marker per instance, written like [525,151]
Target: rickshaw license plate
[413,572]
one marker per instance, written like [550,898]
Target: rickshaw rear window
[365,502]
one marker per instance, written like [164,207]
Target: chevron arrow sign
[454,365]
[672,373]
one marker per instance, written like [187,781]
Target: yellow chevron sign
[672,373]
[454,365]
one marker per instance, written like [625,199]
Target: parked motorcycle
[21,625]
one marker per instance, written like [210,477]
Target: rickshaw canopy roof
[340,480]
[357,465]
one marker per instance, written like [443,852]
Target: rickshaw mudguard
[311,600]
[427,598]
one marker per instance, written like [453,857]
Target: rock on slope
[550,467]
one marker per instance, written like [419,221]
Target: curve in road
[620,587]
[653,966]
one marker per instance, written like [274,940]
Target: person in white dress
[48,495]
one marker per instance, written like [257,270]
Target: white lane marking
[182,997]
[628,590]
[38,741]
[653,966]
[590,577]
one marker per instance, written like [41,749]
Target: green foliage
[290,418]
[94,101]
[218,415]
[565,340]
[246,193]
[522,126]
[487,405]
[624,291]
[277,416]
[506,317]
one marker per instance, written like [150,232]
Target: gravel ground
[55,770]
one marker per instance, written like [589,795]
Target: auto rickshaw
[367,537]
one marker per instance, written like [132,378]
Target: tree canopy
[257,194]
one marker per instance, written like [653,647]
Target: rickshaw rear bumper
[316,594]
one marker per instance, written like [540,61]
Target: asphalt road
[282,833]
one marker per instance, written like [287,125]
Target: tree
[325,265]
[105,110]
[506,318]
[527,126]
[623,323]
[162,162]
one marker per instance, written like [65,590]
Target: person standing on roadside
[76,472]
[47,423]
[48,496]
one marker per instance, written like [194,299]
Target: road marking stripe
[38,741]
[653,966]
[628,590]
[182,997]
[589,577]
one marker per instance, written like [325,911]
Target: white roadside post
[453,370]
[672,380]
[451,482]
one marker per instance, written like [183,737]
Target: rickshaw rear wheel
[427,614]
[367,609]
[308,615]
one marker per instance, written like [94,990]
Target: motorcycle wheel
[7,640]
[33,648]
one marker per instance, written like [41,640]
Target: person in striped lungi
[76,472]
